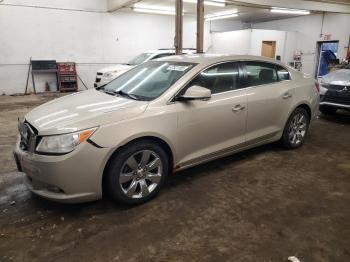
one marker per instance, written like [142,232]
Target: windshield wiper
[132,96]
[110,92]
[122,93]
[100,87]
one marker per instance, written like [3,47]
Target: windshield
[140,59]
[149,80]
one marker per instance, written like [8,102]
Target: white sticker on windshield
[177,68]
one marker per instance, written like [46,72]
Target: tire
[131,179]
[295,131]
[328,110]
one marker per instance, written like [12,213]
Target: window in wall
[260,73]
[219,78]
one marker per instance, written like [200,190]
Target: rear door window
[260,73]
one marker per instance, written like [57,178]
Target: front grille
[28,135]
[335,87]
[337,94]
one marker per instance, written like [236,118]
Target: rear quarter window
[283,74]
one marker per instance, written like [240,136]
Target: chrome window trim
[235,90]
[172,101]
[275,64]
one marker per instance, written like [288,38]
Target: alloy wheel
[140,174]
[297,129]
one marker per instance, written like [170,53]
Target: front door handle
[286,95]
[238,108]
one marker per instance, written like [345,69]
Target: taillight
[317,85]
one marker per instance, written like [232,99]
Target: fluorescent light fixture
[218,3]
[153,9]
[289,11]
[222,15]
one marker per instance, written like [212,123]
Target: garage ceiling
[250,11]
[247,14]
[343,2]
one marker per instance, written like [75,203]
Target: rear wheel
[296,129]
[137,172]
[328,110]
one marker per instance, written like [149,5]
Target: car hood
[339,77]
[82,110]
[115,68]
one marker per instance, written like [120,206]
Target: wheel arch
[305,105]
[307,109]
[156,139]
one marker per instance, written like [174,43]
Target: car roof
[216,58]
[170,50]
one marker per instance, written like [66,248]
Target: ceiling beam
[115,5]
[295,4]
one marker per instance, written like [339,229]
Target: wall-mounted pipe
[321,33]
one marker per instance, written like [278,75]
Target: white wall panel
[257,36]
[93,40]
[308,30]
[249,42]
[233,42]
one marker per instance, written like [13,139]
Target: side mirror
[196,93]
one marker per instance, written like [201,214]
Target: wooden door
[268,49]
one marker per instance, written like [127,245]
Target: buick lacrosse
[162,116]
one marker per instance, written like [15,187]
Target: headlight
[323,88]
[62,144]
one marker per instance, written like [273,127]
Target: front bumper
[337,96]
[71,178]
[337,102]
[337,105]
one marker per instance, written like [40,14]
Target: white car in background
[107,74]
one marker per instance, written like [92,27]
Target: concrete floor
[261,205]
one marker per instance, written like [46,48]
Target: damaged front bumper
[71,178]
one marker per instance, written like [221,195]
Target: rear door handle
[238,108]
[286,95]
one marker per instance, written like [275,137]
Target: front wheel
[137,172]
[296,129]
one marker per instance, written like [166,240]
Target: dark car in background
[335,91]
